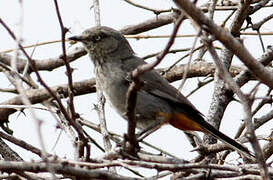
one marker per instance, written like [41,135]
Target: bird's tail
[224,138]
[188,118]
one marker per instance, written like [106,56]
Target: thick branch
[60,168]
[45,64]
[40,95]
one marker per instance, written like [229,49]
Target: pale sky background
[40,24]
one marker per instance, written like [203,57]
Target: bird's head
[103,43]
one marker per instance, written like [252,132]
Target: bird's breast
[112,81]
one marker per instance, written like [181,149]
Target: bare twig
[70,170]
[131,99]
[96,6]
[159,58]
[247,110]
[139,36]
[189,62]
[155,11]
[152,23]
[68,68]
[228,40]
[33,66]
[21,143]
[117,138]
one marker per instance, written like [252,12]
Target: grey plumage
[114,59]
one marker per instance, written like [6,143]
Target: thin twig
[22,144]
[70,83]
[189,62]
[138,36]
[225,37]
[155,11]
[147,67]
[246,106]
[68,68]
[33,66]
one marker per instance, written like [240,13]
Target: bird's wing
[157,86]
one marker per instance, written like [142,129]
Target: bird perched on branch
[157,100]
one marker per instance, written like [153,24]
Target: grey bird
[157,100]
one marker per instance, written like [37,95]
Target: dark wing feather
[157,86]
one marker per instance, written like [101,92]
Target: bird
[157,100]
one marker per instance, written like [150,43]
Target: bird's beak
[76,38]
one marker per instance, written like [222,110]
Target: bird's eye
[97,38]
